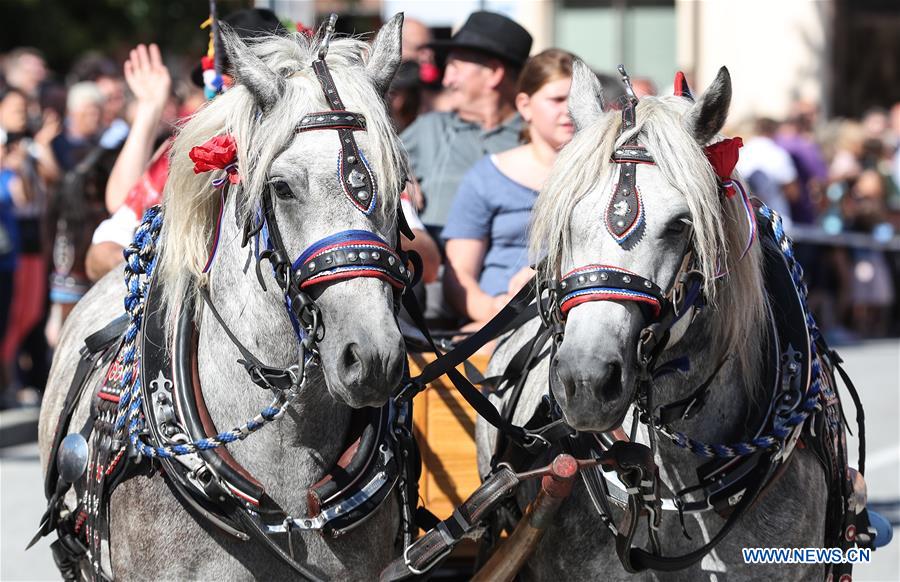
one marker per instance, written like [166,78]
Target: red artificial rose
[723,156]
[216,154]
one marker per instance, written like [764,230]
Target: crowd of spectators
[64,142]
[833,180]
[81,156]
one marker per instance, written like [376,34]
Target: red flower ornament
[723,156]
[218,153]
[305,30]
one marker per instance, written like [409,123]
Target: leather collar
[365,472]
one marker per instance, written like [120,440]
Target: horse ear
[264,84]
[707,117]
[384,57]
[586,103]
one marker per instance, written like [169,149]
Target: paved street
[875,367]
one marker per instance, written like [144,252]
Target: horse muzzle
[592,392]
[365,371]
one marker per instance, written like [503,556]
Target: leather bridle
[661,309]
[338,257]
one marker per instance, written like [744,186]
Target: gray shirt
[442,147]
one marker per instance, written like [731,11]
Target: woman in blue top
[486,231]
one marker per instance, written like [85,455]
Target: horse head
[320,170]
[632,206]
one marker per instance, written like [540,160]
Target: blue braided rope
[782,426]
[140,262]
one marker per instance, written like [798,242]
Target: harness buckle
[296,374]
[408,390]
[537,442]
[695,405]
[650,345]
[407,561]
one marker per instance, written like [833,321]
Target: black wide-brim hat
[247,23]
[492,34]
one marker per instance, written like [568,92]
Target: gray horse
[362,353]
[596,368]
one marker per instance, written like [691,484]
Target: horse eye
[282,190]
[678,226]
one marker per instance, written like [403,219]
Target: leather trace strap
[431,549]
[268,377]
[607,283]
[637,559]
[446,364]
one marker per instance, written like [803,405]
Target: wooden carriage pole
[509,558]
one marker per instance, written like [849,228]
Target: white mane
[719,229]
[192,203]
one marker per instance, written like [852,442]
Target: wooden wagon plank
[445,427]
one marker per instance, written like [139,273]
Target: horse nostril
[610,386]
[566,376]
[351,364]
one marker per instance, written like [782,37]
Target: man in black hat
[483,62]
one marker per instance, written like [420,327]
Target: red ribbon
[723,156]
[218,153]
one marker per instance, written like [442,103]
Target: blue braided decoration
[782,427]
[140,262]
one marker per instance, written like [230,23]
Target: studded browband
[332,120]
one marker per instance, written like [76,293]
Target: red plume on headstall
[681,86]
[723,157]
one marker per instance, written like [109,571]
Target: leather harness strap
[606,283]
[356,178]
[349,254]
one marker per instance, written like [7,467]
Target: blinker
[72,458]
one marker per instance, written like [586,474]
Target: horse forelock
[191,202]
[719,226]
